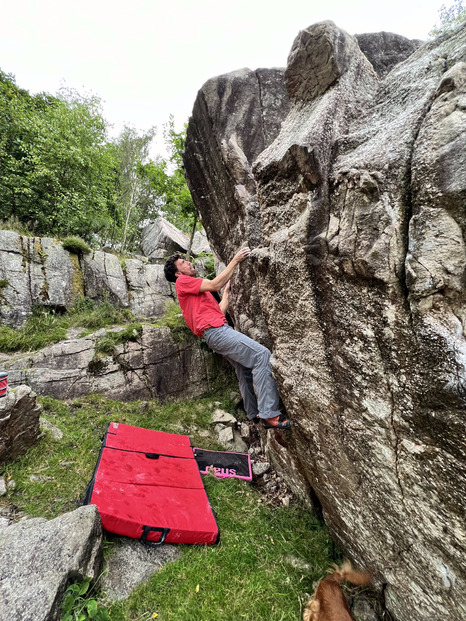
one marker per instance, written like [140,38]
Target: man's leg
[246,388]
[251,355]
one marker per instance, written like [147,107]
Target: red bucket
[3,383]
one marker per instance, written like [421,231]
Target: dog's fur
[328,602]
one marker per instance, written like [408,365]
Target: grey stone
[384,50]
[104,278]
[3,488]
[355,212]
[148,289]
[38,559]
[260,467]
[161,239]
[225,436]
[19,422]
[57,434]
[131,563]
[220,416]
[200,243]
[37,272]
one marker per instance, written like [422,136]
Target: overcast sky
[146,59]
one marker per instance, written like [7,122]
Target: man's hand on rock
[242,254]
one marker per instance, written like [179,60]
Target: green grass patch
[46,327]
[267,558]
[76,245]
[174,320]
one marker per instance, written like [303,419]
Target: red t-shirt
[200,310]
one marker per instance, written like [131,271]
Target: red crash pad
[147,485]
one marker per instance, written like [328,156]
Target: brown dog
[328,602]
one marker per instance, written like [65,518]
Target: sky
[146,59]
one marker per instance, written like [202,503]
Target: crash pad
[147,485]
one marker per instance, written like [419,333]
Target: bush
[76,245]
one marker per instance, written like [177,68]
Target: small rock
[2,486]
[245,431]
[260,467]
[37,479]
[239,445]
[220,416]
[45,424]
[11,484]
[225,437]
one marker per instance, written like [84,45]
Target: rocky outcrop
[38,271]
[355,210]
[39,558]
[150,365]
[19,422]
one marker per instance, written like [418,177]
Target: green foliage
[108,343]
[57,172]
[80,605]
[45,327]
[174,320]
[76,245]
[451,16]
[168,182]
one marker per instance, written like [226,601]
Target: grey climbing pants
[251,362]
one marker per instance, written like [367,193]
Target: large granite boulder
[152,365]
[355,211]
[39,558]
[19,422]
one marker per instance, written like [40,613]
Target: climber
[206,318]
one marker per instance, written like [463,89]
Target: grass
[76,245]
[174,320]
[46,327]
[248,575]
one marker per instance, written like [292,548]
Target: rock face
[354,204]
[38,558]
[152,366]
[19,422]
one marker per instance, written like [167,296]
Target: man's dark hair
[170,268]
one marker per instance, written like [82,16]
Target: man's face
[184,267]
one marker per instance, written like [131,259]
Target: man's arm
[224,302]
[221,280]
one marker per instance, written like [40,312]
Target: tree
[57,171]
[169,184]
[450,17]
[136,199]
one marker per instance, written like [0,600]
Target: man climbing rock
[206,318]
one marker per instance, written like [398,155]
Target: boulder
[19,422]
[35,271]
[104,278]
[160,239]
[39,558]
[148,289]
[384,50]
[131,564]
[354,209]
[200,243]
[154,365]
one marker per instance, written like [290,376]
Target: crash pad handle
[147,529]
[152,455]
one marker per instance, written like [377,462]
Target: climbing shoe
[277,422]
